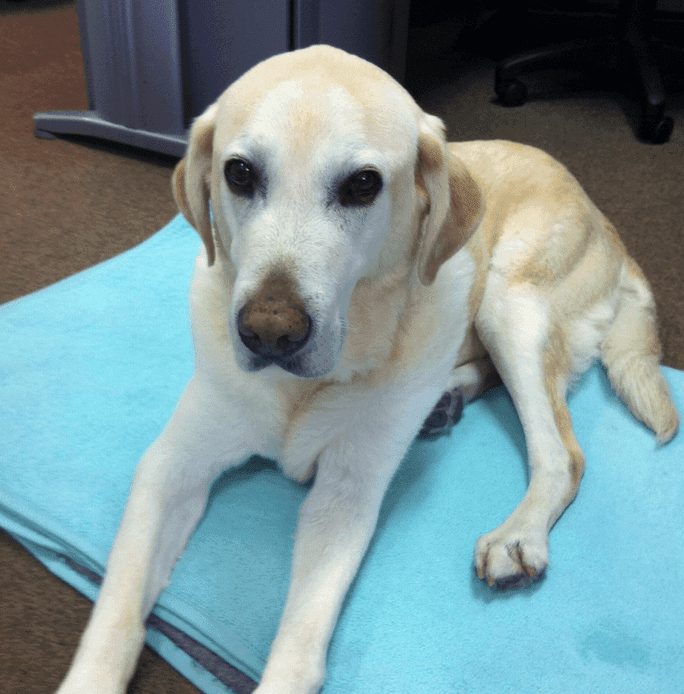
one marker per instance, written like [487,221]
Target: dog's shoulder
[536,212]
[503,169]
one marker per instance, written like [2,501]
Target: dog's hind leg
[530,354]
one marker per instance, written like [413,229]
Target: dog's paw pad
[444,414]
[511,562]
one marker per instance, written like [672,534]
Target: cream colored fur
[470,254]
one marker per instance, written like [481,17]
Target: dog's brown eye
[241,177]
[361,188]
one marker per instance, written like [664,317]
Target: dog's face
[320,169]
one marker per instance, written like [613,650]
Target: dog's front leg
[167,499]
[336,523]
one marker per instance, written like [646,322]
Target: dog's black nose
[274,324]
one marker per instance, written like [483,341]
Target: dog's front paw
[508,559]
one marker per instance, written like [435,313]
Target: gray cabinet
[153,65]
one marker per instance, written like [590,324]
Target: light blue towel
[90,370]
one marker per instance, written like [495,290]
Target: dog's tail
[631,355]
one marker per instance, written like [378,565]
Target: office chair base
[630,54]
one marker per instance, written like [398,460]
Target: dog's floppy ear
[455,204]
[192,179]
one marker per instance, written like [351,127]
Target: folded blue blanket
[90,370]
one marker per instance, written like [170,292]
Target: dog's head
[312,172]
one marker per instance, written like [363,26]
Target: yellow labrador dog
[354,267]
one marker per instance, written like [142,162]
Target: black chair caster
[511,93]
[656,131]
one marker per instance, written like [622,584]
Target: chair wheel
[512,93]
[656,132]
